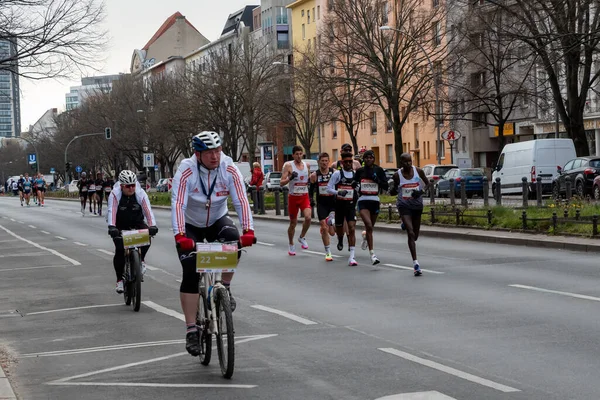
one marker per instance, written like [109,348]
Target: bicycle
[214,315]
[132,275]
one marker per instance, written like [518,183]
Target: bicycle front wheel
[203,323]
[136,281]
[225,335]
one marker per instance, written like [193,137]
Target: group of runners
[27,187]
[94,190]
[349,185]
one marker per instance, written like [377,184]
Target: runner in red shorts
[296,174]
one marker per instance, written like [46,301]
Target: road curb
[481,235]
[6,390]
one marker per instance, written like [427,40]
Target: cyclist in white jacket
[201,187]
[128,206]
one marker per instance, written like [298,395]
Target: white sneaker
[303,243]
[352,262]
[143,268]
[374,259]
[119,288]
[292,250]
[364,243]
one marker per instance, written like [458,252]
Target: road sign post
[452,137]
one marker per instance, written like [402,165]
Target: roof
[296,3]
[165,26]
[244,15]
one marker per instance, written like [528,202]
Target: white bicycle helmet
[127,177]
[83,174]
[206,140]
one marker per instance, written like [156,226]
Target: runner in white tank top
[295,173]
[409,181]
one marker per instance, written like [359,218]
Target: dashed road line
[45,232]
[108,252]
[568,294]
[412,269]
[39,267]
[80,244]
[285,314]
[320,254]
[449,370]
[60,237]
[74,308]
[56,253]
[265,244]
[32,227]
[164,310]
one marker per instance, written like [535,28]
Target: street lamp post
[435,85]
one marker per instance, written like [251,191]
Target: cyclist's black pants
[223,230]
[119,258]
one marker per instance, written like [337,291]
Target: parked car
[473,178]
[162,185]
[272,180]
[532,159]
[435,172]
[582,172]
[596,188]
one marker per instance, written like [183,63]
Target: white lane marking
[56,253]
[164,310]
[110,253]
[575,295]
[41,267]
[73,308]
[157,385]
[285,314]
[13,220]
[60,237]
[265,244]
[431,395]
[64,381]
[21,222]
[31,226]
[80,244]
[412,269]
[450,370]
[103,348]
[46,233]
[151,268]
[319,253]
[178,280]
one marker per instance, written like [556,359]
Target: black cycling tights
[223,230]
[119,258]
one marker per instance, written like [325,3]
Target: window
[303,32]
[373,122]
[478,79]
[403,111]
[318,12]
[334,130]
[437,70]
[416,128]
[479,120]
[476,39]
[331,33]
[428,150]
[283,40]
[335,154]
[282,17]
[389,152]
[307,16]
[385,10]
[331,64]
[302,13]
[388,123]
[464,144]
[314,15]
[436,31]
[442,148]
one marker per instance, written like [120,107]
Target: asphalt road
[485,321]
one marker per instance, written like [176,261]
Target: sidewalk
[572,243]
[6,391]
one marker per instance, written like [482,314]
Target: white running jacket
[189,200]
[140,196]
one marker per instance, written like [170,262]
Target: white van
[313,165]
[531,159]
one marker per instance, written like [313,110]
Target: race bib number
[135,238]
[92,188]
[84,189]
[300,189]
[107,189]
[349,196]
[216,257]
[407,190]
[369,187]
[323,190]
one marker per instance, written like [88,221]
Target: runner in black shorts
[92,193]
[325,201]
[342,184]
[82,185]
[99,184]
[372,181]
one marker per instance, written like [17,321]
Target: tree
[391,65]
[51,38]
[490,76]
[564,35]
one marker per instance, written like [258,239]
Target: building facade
[10,104]
[89,86]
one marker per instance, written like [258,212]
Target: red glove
[247,239]
[184,243]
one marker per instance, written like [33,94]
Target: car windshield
[442,170]
[276,175]
[471,172]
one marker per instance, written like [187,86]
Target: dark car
[434,172]
[581,171]
[473,178]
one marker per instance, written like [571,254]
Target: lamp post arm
[71,141]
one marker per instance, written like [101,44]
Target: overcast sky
[131,23]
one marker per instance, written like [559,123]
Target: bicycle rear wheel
[136,280]
[225,336]
[203,323]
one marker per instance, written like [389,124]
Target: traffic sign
[52,171]
[451,135]
[31,158]
[78,169]
[156,167]
[148,160]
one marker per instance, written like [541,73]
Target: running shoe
[364,243]
[119,288]
[418,271]
[292,250]
[303,243]
[402,226]
[328,257]
[352,262]
[192,343]
[374,259]
[340,245]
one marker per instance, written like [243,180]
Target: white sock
[351,251]
[372,252]
[415,262]
[327,249]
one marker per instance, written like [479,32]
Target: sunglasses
[130,186]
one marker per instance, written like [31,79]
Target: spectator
[257,176]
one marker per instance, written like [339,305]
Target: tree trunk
[501,138]
[397,133]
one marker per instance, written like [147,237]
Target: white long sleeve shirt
[140,196]
[189,197]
